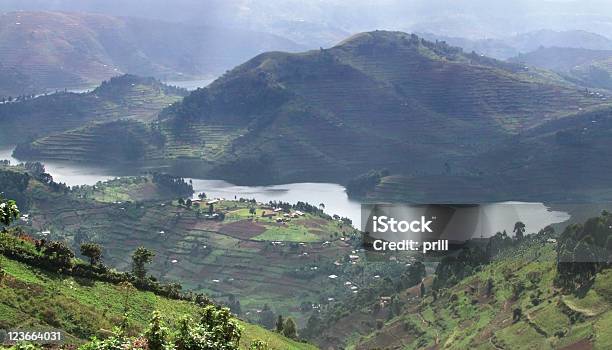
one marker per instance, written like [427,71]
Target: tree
[519,230]
[422,290]
[289,329]
[8,211]
[266,317]
[280,324]
[140,257]
[59,254]
[215,329]
[157,334]
[93,251]
[202,196]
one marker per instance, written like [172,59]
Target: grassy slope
[33,298]
[475,320]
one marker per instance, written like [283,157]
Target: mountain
[591,68]
[377,100]
[123,97]
[60,49]
[510,46]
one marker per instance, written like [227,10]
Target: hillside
[282,260]
[42,45]
[562,161]
[512,294]
[393,97]
[480,311]
[83,308]
[123,97]
[508,47]
[591,68]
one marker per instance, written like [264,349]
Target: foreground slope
[84,308]
[257,258]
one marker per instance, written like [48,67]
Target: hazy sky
[325,19]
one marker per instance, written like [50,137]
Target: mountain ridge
[41,45]
[286,117]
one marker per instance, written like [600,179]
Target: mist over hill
[321,23]
[591,68]
[507,47]
[58,50]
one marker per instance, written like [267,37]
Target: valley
[153,187]
[426,112]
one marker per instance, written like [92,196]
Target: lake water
[535,215]
[69,173]
[190,84]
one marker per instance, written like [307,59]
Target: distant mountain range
[377,100]
[504,48]
[591,68]
[54,50]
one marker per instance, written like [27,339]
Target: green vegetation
[223,257]
[84,308]
[517,300]
[589,68]
[123,97]
[216,328]
[283,117]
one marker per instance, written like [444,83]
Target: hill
[41,45]
[481,310]
[85,308]
[393,97]
[507,47]
[122,97]
[513,300]
[248,260]
[591,68]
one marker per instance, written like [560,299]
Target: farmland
[277,258]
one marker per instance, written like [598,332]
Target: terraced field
[465,316]
[126,97]
[275,259]
[395,99]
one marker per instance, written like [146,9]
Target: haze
[325,22]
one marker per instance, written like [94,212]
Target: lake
[535,215]
[190,84]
